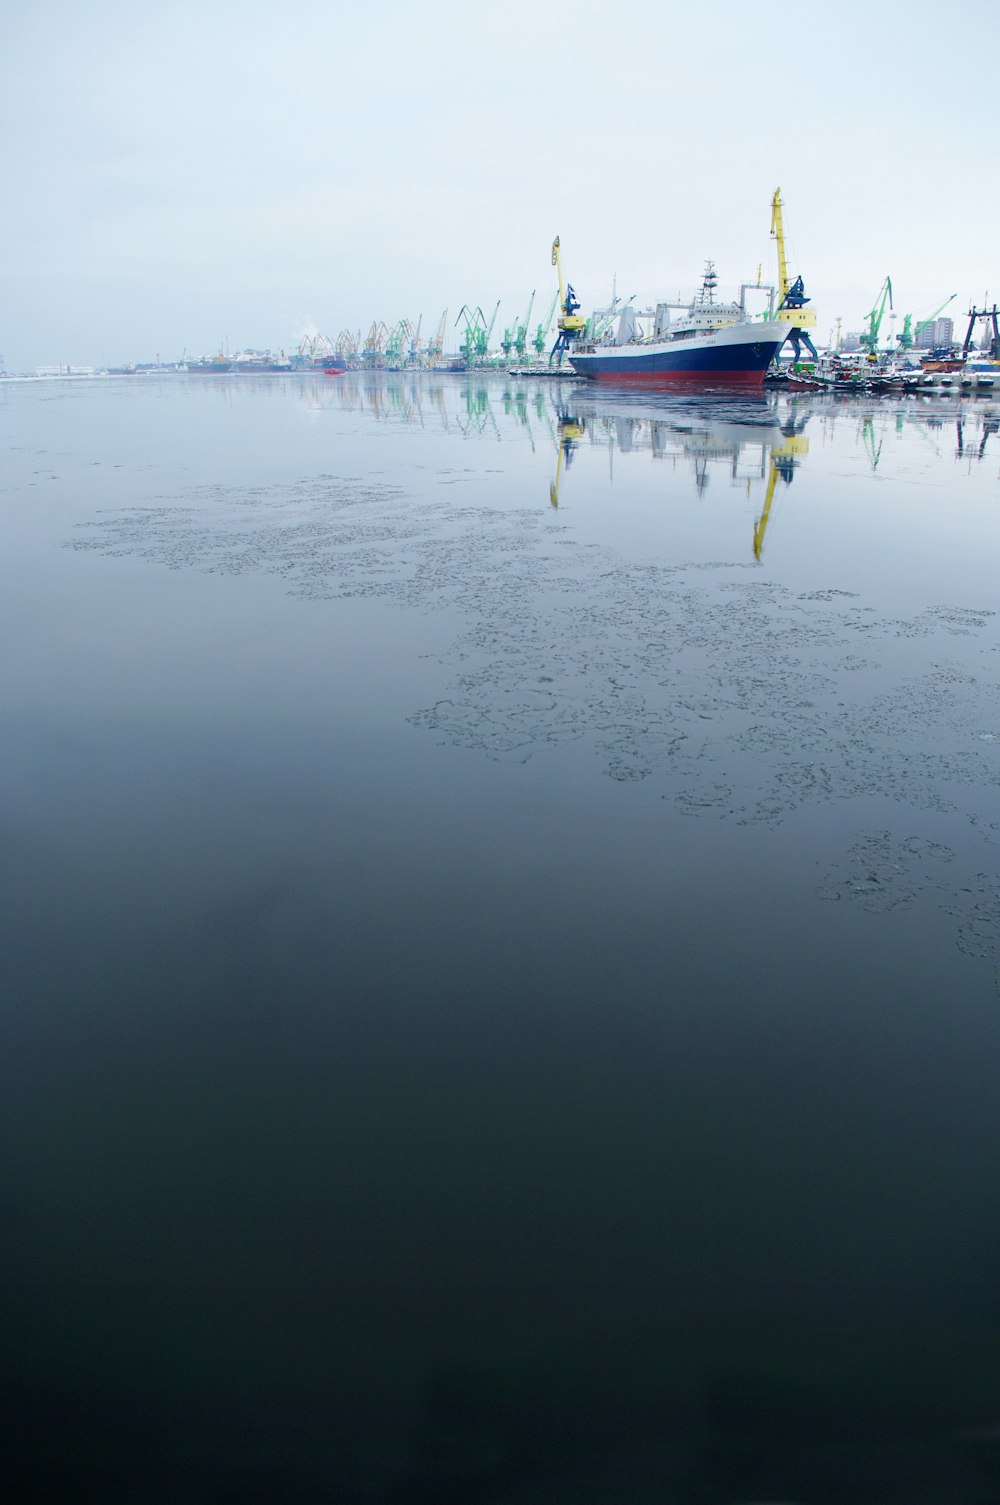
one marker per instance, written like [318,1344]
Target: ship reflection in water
[751,444]
[754,442]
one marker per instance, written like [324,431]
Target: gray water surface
[502,942]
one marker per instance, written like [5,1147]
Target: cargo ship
[708,342]
[256,363]
[215,365]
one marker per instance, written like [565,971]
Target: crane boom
[931,317]
[570,323]
[557,263]
[875,317]
[791,293]
[778,231]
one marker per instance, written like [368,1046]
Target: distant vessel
[213,365]
[709,342]
[254,362]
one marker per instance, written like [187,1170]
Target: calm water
[502,944]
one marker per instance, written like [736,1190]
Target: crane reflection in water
[745,436]
[755,443]
[570,430]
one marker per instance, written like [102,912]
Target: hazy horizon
[191,177]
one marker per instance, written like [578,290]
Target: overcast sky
[176,175]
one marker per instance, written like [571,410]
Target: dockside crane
[395,345]
[474,323]
[435,346]
[413,347]
[569,323]
[475,347]
[792,298]
[347,345]
[521,331]
[869,340]
[918,329]
[542,332]
[486,340]
[373,354]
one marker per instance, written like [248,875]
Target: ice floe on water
[735,697]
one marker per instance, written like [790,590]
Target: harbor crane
[475,326]
[435,346]
[347,345]
[542,332]
[395,345]
[413,347]
[521,331]
[475,349]
[515,336]
[373,354]
[489,332]
[910,338]
[869,340]
[569,323]
[791,294]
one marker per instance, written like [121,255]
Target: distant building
[937,332]
[850,342]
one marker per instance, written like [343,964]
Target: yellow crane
[571,431]
[792,300]
[783,458]
[569,323]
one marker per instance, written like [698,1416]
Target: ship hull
[733,357]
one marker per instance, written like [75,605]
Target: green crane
[474,348]
[475,329]
[521,331]
[485,350]
[542,332]
[395,345]
[515,336]
[869,340]
[931,317]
